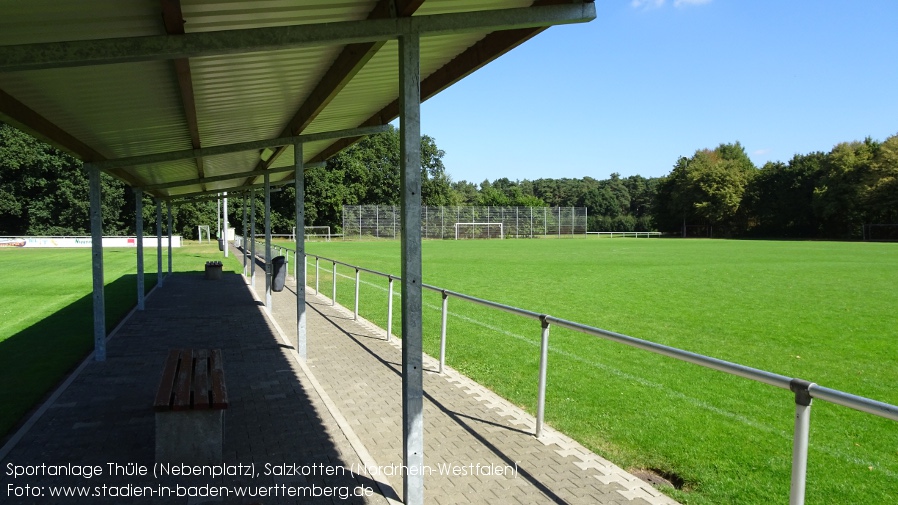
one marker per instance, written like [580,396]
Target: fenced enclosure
[881,232]
[384,221]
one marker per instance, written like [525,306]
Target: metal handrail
[837,397]
[803,390]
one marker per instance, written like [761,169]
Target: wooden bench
[190,405]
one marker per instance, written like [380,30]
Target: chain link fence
[362,222]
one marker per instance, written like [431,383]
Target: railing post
[803,400]
[443,330]
[390,308]
[334,290]
[543,362]
[356,312]
[317,275]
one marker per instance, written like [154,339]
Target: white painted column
[224,219]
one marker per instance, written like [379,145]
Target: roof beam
[173,19]
[350,61]
[166,47]
[187,154]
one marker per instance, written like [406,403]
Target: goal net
[315,232]
[479,230]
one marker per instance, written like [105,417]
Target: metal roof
[108,80]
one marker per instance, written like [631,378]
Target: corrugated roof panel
[253,96]
[377,85]
[32,21]
[100,108]
[213,15]
[242,161]
[170,171]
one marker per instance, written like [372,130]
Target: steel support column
[243,232]
[300,236]
[138,227]
[268,243]
[252,239]
[169,227]
[410,189]
[96,246]
[159,278]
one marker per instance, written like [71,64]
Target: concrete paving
[323,431]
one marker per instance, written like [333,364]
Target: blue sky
[651,80]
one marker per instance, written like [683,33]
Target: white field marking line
[831,451]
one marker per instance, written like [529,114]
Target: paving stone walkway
[325,430]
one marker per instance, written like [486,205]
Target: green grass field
[46,312]
[821,311]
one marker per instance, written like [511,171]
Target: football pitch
[820,311]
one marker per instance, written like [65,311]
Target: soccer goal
[478,230]
[199,231]
[316,232]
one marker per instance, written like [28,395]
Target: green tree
[838,197]
[708,189]
[779,199]
[881,189]
[44,191]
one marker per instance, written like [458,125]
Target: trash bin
[213,270]
[220,245]
[278,273]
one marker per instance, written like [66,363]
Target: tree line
[830,195]
[717,192]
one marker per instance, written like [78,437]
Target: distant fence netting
[384,221]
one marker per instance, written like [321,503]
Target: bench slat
[167,383]
[183,383]
[219,389]
[201,380]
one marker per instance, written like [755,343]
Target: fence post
[803,400]
[390,309]
[334,290]
[356,313]
[317,275]
[543,363]
[443,331]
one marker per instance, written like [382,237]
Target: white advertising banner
[84,241]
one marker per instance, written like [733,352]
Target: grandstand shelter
[194,98]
